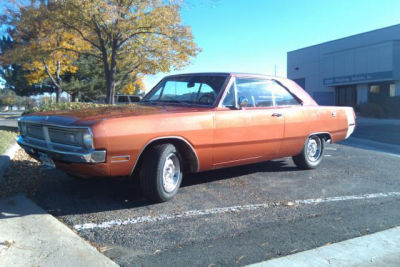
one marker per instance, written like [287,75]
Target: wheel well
[326,136]
[189,157]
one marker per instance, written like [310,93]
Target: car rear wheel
[161,175]
[311,154]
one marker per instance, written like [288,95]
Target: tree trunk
[110,72]
[58,94]
[57,80]
[74,97]
[110,83]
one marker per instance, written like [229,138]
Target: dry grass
[6,139]
[24,175]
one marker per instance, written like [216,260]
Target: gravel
[24,175]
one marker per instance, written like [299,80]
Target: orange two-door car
[188,123]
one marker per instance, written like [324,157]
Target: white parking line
[331,148]
[232,209]
[344,198]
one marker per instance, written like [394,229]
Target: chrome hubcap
[314,148]
[171,173]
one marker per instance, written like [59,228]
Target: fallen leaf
[241,257]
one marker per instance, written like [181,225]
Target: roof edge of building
[342,38]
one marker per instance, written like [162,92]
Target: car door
[249,133]
[296,124]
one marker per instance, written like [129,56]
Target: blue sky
[255,35]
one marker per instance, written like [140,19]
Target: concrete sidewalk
[379,249]
[31,237]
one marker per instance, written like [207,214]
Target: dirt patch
[24,175]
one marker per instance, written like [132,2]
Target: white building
[351,70]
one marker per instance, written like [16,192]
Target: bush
[392,107]
[372,110]
[65,106]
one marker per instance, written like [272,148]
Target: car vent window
[229,100]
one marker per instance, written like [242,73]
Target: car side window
[281,95]
[123,99]
[257,92]
[229,100]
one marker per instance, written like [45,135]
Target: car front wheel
[311,154]
[161,175]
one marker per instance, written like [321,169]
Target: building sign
[359,78]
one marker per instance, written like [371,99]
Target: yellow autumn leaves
[135,87]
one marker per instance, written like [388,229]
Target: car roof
[236,74]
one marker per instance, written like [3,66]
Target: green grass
[6,139]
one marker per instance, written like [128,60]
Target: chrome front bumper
[60,152]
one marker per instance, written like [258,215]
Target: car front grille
[53,134]
[64,136]
[35,131]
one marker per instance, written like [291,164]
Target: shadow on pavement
[61,194]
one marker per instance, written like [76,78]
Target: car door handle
[277,115]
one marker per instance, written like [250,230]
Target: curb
[378,249]
[6,158]
[372,145]
[29,236]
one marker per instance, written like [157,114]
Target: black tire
[303,160]
[152,172]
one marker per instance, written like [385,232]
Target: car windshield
[187,90]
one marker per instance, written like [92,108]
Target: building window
[392,90]
[374,89]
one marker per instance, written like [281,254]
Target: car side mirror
[243,102]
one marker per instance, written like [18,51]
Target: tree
[44,50]
[14,75]
[87,83]
[7,98]
[134,88]
[129,36]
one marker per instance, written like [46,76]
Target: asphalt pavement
[234,216]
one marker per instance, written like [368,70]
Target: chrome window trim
[266,78]
[232,80]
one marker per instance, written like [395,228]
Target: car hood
[93,115]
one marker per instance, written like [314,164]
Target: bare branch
[81,34]
[84,53]
[46,67]
[139,33]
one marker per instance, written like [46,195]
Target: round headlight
[87,140]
